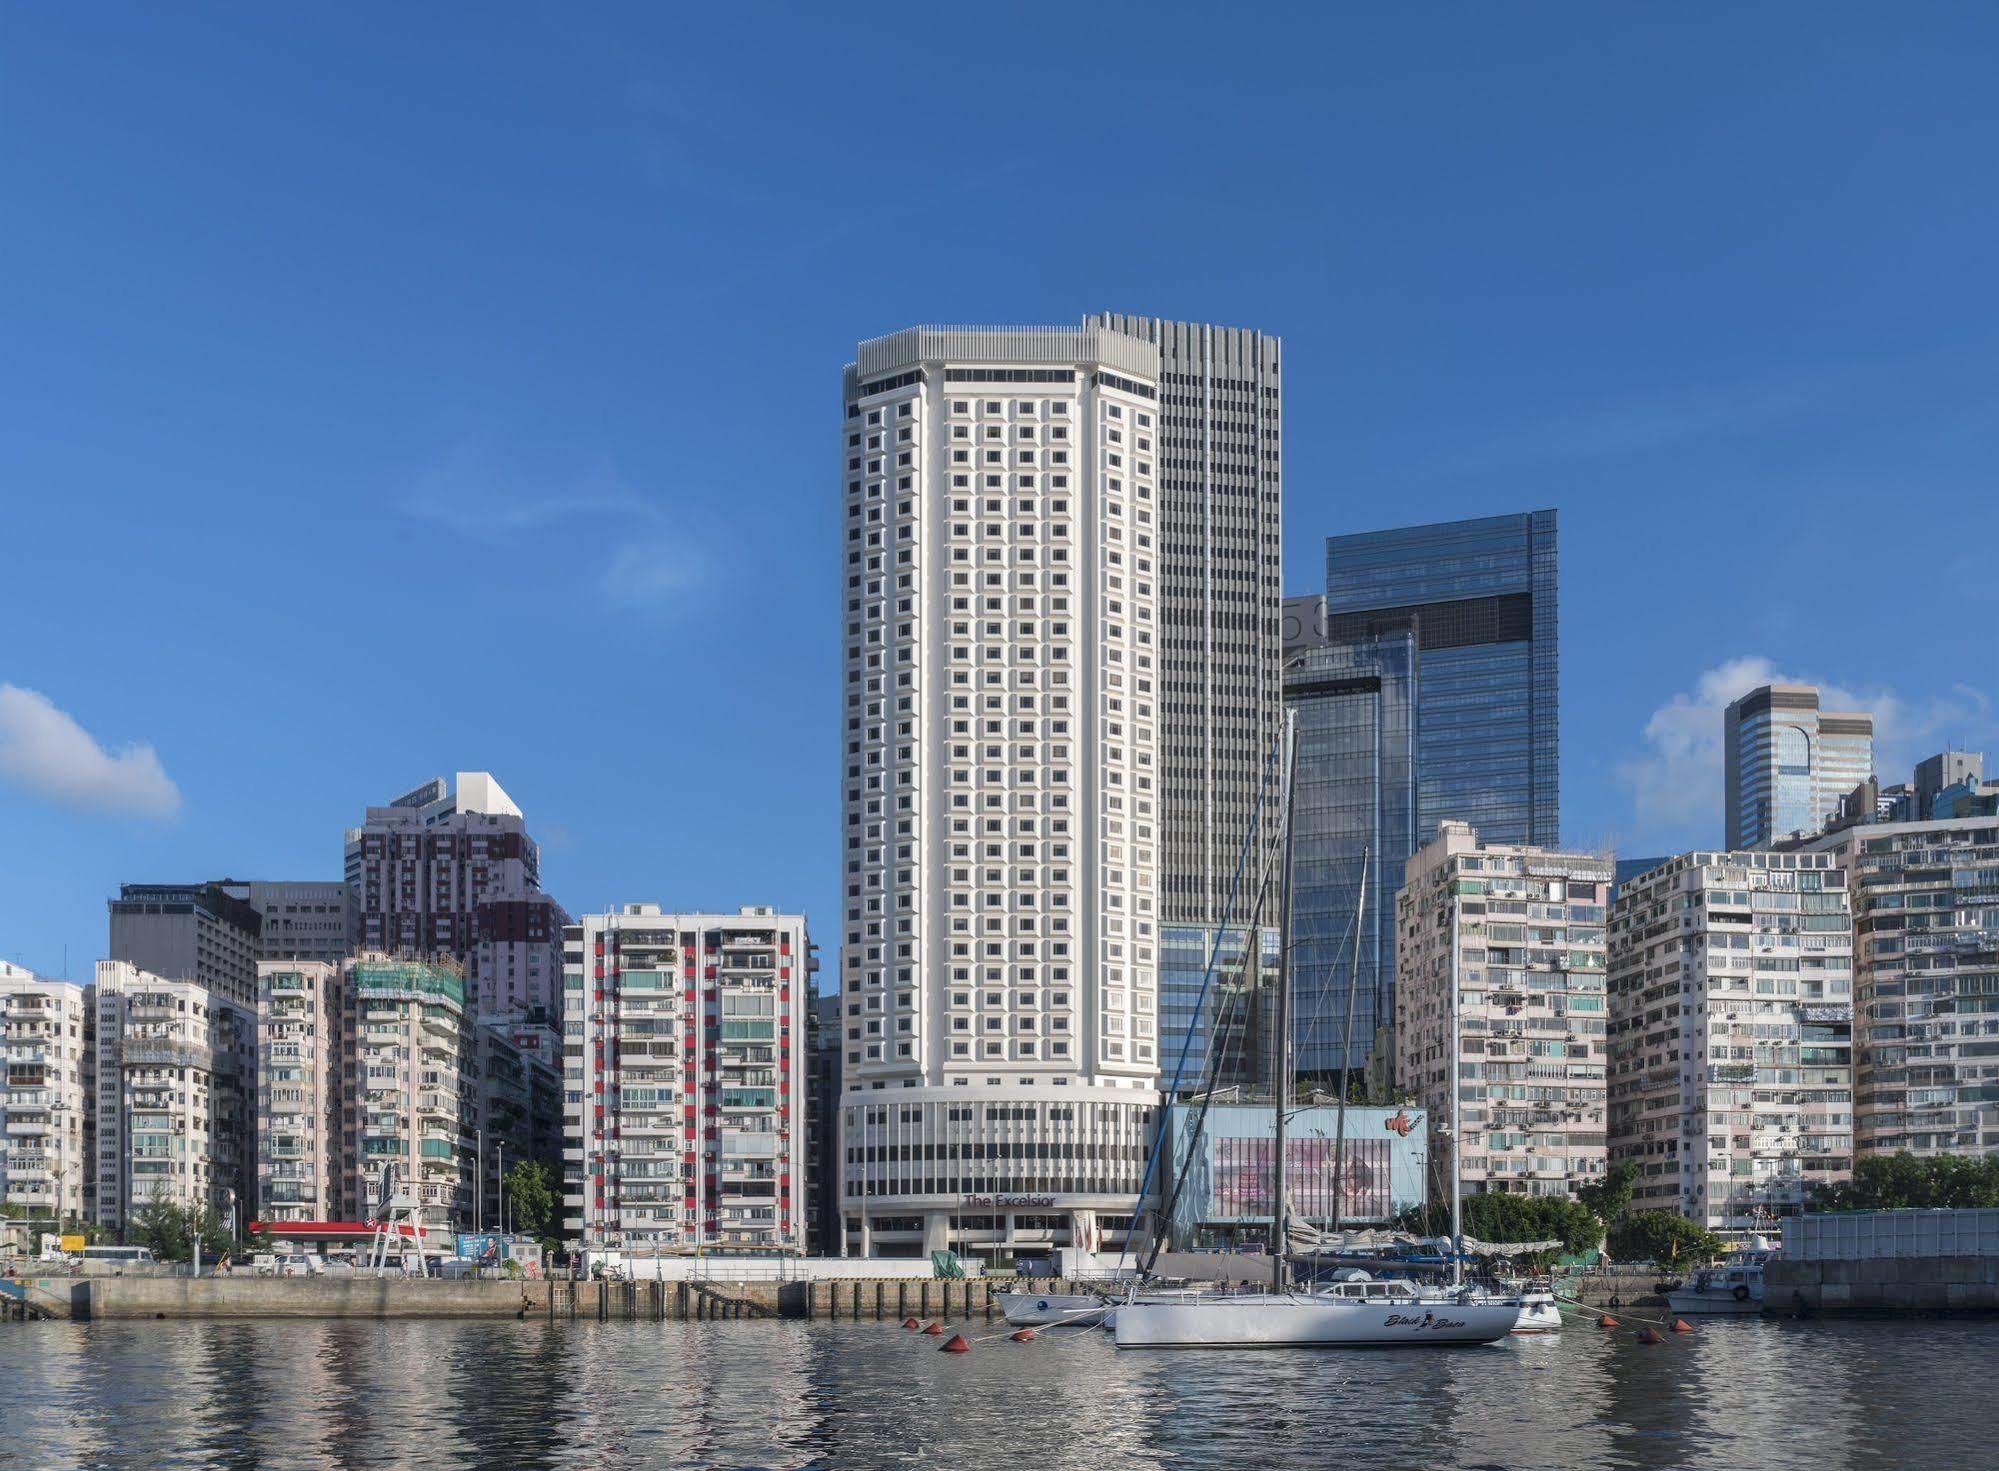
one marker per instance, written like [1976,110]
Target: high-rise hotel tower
[1001,843]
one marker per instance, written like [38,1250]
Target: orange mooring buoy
[1681,1325]
[955,1344]
[934,1329]
[1606,1321]
[1650,1335]
[1026,1335]
[911,1324]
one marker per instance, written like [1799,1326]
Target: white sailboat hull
[1308,1320]
[1052,1309]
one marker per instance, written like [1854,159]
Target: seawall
[870,1300]
[1944,1284]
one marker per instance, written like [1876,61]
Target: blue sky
[387,390]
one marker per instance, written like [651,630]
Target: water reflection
[327,1396]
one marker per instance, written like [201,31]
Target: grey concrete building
[190,932]
[1221,705]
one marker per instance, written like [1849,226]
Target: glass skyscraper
[1425,686]
[1354,811]
[1482,598]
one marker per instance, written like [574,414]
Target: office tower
[685,1078]
[1502,979]
[1926,986]
[1355,817]
[1481,596]
[1000,753]
[1731,1072]
[189,932]
[453,872]
[407,1103]
[1221,709]
[301,1052]
[1220,507]
[175,1101]
[45,1096]
[1228,1038]
[1947,771]
[1788,763]
[297,920]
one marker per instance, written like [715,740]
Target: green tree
[1609,1198]
[531,1200]
[1499,1217]
[170,1230]
[1665,1237]
[1904,1182]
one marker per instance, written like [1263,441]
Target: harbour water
[1827,1395]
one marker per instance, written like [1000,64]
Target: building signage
[1009,1202]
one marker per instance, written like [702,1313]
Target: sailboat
[1355,1310]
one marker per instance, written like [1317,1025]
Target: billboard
[1242,1178]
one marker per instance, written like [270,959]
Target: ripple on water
[1827,1396]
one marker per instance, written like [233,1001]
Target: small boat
[1052,1309]
[1357,1313]
[1538,1312]
[1736,1286]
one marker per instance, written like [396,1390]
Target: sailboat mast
[1451,1078]
[1346,1047]
[1279,1196]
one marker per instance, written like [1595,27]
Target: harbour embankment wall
[1945,1284]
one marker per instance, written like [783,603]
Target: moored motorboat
[1736,1286]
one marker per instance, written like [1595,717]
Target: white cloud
[488,498]
[644,573]
[1676,781]
[478,494]
[46,753]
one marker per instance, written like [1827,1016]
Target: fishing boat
[1736,1286]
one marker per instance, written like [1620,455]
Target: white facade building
[1926,999]
[175,1122]
[684,1042]
[300,1054]
[1731,1082]
[44,1094]
[1001,806]
[408,1103]
[1526,1044]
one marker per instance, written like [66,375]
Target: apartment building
[685,1060]
[301,1055]
[46,1032]
[1503,997]
[517,1080]
[1926,992]
[175,1100]
[1731,1083]
[451,870]
[1001,822]
[407,1101]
